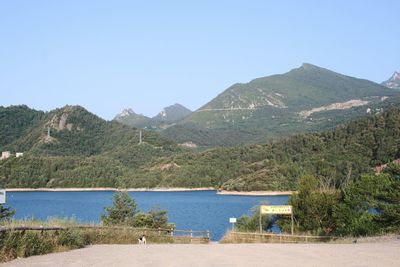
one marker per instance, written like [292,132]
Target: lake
[192,210]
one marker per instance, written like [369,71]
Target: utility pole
[140,137]
[292,228]
[260,221]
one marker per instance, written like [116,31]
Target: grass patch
[15,244]
[25,243]
[254,237]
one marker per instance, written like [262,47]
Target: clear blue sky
[108,55]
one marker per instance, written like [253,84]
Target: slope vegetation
[73,147]
[335,157]
[308,98]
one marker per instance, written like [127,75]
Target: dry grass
[51,222]
[367,239]
[236,238]
[25,243]
[248,237]
[124,236]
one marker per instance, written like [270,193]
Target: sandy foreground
[364,254]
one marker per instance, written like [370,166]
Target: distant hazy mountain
[173,113]
[129,117]
[168,115]
[393,82]
[308,98]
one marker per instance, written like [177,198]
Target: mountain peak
[172,113]
[272,106]
[306,65]
[310,67]
[69,109]
[126,112]
[393,82]
[129,117]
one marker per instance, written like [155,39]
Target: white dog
[142,240]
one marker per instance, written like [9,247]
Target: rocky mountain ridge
[393,82]
[307,98]
[168,115]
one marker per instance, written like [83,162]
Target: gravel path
[365,254]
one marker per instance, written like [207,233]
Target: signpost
[232,221]
[2,196]
[276,209]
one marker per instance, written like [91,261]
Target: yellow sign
[281,209]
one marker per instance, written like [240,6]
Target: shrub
[251,223]
[122,212]
[5,213]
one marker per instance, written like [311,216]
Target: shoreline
[256,193]
[160,189]
[103,189]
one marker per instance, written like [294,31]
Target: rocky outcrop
[393,82]
[344,105]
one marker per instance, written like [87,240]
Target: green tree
[159,217]
[389,204]
[312,208]
[370,205]
[122,212]
[357,210]
[155,218]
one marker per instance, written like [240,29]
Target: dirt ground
[386,253]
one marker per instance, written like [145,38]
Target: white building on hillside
[5,155]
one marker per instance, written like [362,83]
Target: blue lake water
[196,210]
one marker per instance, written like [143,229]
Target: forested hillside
[305,99]
[15,122]
[334,157]
[74,132]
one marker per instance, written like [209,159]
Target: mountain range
[73,131]
[335,157]
[169,115]
[357,121]
[82,150]
[305,99]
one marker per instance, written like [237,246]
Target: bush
[251,223]
[71,239]
[124,212]
[312,209]
[28,243]
[5,213]
[369,206]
